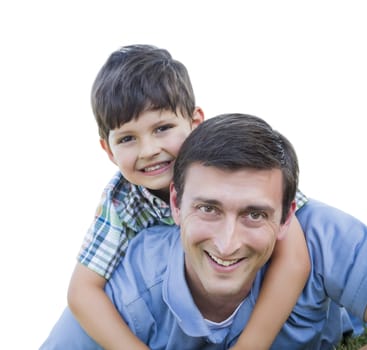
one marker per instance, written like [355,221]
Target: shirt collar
[158,207]
[136,205]
[177,296]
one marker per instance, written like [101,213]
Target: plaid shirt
[125,210]
[301,199]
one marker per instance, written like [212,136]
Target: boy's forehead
[162,112]
[158,114]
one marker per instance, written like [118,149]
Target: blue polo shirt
[150,291]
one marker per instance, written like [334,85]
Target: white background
[299,65]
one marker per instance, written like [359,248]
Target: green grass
[354,343]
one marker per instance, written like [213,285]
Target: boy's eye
[126,139]
[163,128]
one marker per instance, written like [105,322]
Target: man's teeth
[223,262]
[155,167]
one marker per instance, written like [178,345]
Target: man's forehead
[205,180]
[197,167]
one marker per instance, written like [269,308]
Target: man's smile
[222,262]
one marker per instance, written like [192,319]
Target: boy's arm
[97,314]
[282,285]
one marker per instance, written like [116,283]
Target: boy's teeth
[223,262]
[154,167]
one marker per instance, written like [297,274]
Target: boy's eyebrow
[160,121]
[170,116]
[119,132]
[166,119]
[153,125]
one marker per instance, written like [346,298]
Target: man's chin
[224,290]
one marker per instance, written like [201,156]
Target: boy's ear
[197,117]
[290,216]
[175,210]
[106,148]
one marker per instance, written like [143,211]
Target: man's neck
[214,308]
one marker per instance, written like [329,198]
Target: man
[232,198]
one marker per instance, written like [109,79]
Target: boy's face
[145,148]
[229,223]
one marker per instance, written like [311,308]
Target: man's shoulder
[337,244]
[150,250]
[330,233]
[316,217]
[143,268]
[156,236]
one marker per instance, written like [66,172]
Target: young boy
[144,106]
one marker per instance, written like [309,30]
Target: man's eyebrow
[252,207]
[269,210]
[207,200]
[265,207]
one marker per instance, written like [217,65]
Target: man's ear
[284,227]
[175,210]
[197,117]
[104,144]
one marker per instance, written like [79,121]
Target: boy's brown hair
[137,78]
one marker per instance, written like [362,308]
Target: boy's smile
[145,148]
[157,167]
[153,169]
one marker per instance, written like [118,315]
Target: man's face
[230,221]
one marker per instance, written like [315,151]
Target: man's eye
[257,215]
[206,209]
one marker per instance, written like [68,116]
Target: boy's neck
[162,194]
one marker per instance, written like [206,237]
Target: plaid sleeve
[106,240]
[301,199]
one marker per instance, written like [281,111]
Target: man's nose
[227,239]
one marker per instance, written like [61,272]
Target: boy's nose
[148,148]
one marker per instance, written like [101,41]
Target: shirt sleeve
[338,248]
[106,240]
